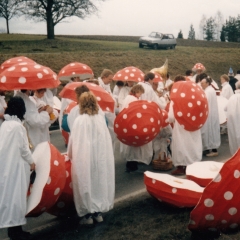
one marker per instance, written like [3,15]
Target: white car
[158,40]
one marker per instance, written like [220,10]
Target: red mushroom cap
[190,105]
[198,66]
[129,74]
[75,69]
[26,75]
[157,77]
[165,121]
[139,123]
[219,209]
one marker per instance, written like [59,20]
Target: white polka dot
[126,78]
[182,95]
[60,204]
[200,125]
[198,103]
[43,209]
[63,71]
[147,137]
[72,64]
[22,80]
[70,185]
[174,190]
[153,129]
[190,104]
[37,66]
[56,163]
[174,90]
[208,202]
[151,119]
[56,192]
[11,69]
[126,71]
[49,180]
[236,174]
[192,222]
[125,130]
[19,60]
[223,221]
[55,76]
[119,75]
[134,126]
[201,114]
[139,79]
[139,115]
[218,178]
[98,98]
[116,125]
[193,118]
[123,140]
[228,195]
[232,211]
[24,69]
[144,106]
[132,75]
[209,217]
[192,89]
[153,181]
[159,122]
[193,97]
[124,116]
[136,137]
[3,79]
[107,108]
[179,114]
[188,114]
[39,75]
[85,67]
[145,130]
[73,73]
[233,225]
[67,174]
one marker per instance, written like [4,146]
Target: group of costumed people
[25,122]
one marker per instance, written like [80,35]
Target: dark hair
[179,78]
[188,72]
[238,71]
[80,90]
[16,107]
[202,76]
[149,76]
[120,83]
[198,79]
[168,75]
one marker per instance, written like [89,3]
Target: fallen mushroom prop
[190,105]
[172,190]
[129,74]
[50,179]
[219,207]
[203,173]
[139,123]
[75,69]
[65,205]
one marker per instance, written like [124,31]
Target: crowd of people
[92,139]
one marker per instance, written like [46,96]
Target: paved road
[126,184]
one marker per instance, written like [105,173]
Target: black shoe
[131,166]
[16,233]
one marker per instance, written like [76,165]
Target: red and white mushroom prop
[165,121]
[105,100]
[50,179]
[175,191]
[157,77]
[198,66]
[139,123]
[28,76]
[12,61]
[65,204]
[203,173]
[219,208]
[190,105]
[129,74]
[75,69]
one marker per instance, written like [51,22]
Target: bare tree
[54,11]
[210,29]
[219,20]
[8,9]
[201,26]
[191,34]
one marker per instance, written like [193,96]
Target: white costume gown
[139,154]
[93,173]
[211,130]
[227,90]
[37,124]
[233,116]
[186,146]
[15,158]
[124,92]
[3,105]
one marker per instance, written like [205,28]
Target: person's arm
[171,117]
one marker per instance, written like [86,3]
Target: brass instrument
[162,70]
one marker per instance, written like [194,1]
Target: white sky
[135,18]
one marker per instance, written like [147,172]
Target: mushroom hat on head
[26,75]
[75,69]
[129,74]
[139,123]
[198,66]
[157,77]
[12,61]
[190,105]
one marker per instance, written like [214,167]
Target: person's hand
[41,109]
[49,109]
[32,166]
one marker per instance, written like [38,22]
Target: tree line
[50,11]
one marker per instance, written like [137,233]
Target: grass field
[118,52]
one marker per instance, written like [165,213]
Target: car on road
[157,40]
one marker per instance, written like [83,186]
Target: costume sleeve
[36,119]
[171,116]
[157,100]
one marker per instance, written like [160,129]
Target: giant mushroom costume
[129,74]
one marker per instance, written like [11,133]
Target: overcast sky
[136,18]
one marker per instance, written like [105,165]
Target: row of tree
[50,11]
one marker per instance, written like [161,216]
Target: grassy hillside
[116,52]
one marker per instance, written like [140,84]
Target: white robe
[162,85]
[139,154]
[15,158]
[124,92]
[186,146]
[37,124]
[150,95]
[227,90]
[233,116]
[3,106]
[211,130]
[93,175]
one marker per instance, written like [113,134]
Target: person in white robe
[3,106]
[16,162]
[233,116]
[36,123]
[93,174]
[211,129]
[149,93]
[116,90]
[124,93]
[104,82]
[164,86]
[163,99]
[133,155]
[186,146]
[237,76]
